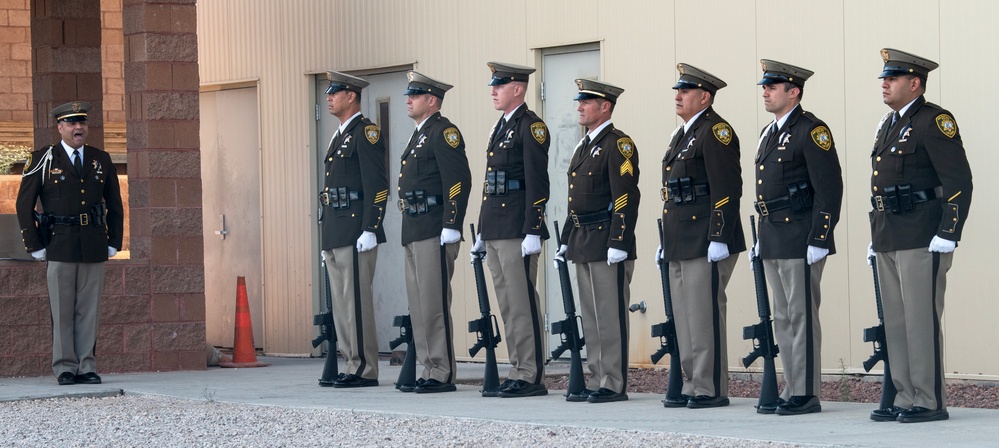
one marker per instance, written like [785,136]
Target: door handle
[222,232]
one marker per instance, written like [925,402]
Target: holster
[44,228]
[800,195]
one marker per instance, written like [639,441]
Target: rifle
[666,332]
[486,328]
[876,334]
[407,376]
[568,329]
[327,333]
[762,335]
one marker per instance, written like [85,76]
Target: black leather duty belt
[339,197]
[683,191]
[83,219]
[589,218]
[765,207]
[418,202]
[497,184]
[901,198]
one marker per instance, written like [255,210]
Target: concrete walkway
[292,383]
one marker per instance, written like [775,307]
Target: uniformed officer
[702,185]
[599,238]
[433,192]
[921,182]
[354,196]
[512,225]
[79,228]
[799,191]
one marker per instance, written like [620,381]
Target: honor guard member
[799,191]
[79,228]
[433,191]
[921,182]
[354,196]
[512,225]
[599,238]
[702,185]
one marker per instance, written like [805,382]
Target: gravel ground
[168,422]
[851,388]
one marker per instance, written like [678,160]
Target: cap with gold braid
[420,84]
[694,78]
[898,63]
[775,72]
[506,73]
[589,89]
[342,81]
[75,111]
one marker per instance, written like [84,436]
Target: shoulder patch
[373,133]
[627,148]
[822,137]
[452,137]
[947,125]
[723,132]
[539,131]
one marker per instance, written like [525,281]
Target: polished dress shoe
[351,380]
[800,404]
[581,396]
[409,387]
[433,386]
[88,378]
[706,401]
[495,393]
[329,383]
[66,379]
[886,414]
[677,402]
[521,388]
[919,414]
[605,395]
[770,408]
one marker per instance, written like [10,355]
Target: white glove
[659,255]
[366,241]
[112,251]
[478,245]
[560,254]
[531,245]
[753,252]
[870,253]
[941,245]
[449,236]
[615,255]
[717,251]
[815,254]
[39,254]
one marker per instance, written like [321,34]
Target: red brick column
[66,63]
[162,116]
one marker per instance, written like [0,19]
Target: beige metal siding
[281,42]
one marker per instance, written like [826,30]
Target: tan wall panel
[281,43]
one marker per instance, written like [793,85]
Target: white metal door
[560,67]
[383,103]
[230,162]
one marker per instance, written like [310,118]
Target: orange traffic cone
[243,352]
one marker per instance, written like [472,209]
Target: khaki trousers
[913,283]
[796,297]
[429,268]
[514,278]
[74,298]
[699,306]
[604,294]
[353,308]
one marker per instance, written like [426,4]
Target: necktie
[894,118]
[78,163]
[679,137]
[499,128]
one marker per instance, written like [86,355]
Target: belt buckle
[402,205]
[664,193]
[575,220]
[879,203]
[761,206]
[84,219]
